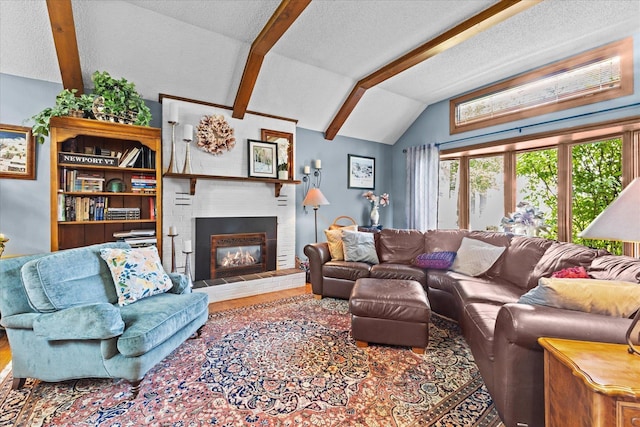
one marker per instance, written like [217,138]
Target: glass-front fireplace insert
[238,254]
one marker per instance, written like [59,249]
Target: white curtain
[422,187]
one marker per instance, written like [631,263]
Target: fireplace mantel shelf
[193,178]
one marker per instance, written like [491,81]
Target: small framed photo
[263,159]
[362,172]
[17,152]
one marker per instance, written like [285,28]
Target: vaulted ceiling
[331,64]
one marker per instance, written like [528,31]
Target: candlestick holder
[173,253]
[172,162]
[187,267]
[187,158]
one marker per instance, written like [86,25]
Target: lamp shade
[315,198]
[620,220]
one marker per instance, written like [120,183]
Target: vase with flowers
[527,220]
[376,202]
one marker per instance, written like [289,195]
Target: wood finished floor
[5,351]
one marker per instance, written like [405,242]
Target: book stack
[76,208]
[122,213]
[82,182]
[137,238]
[143,184]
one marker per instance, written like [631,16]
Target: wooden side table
[590,384]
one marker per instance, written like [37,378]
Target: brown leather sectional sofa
[501,333]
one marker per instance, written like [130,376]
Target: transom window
[600,74]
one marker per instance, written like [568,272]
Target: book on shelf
[135,233]
[136,242]
[128,159]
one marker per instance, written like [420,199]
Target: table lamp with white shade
[620,221]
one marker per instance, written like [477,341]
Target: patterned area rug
[287,363]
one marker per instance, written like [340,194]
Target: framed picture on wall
[362,172]
[263,159]
[17,152]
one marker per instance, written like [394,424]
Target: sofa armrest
[19,321]
[318,254]
[181,284]
[523,324]
[83,322]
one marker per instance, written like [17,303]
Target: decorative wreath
[215,135]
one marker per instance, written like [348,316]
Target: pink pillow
[571,273]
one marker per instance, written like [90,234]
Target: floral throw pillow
[137,273]
[435,260]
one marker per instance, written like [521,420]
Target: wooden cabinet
[590,384]
[83,210]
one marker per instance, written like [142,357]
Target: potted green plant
[67,104]
[120,100]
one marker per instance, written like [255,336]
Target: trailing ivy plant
[120,100]
[66,103]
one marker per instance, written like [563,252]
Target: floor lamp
[315,198]
[620,221]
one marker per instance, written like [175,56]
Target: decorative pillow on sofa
[436,260]
[475,257]
[137,273]
[359,247]
[571,273]
[334,240]
[610,297]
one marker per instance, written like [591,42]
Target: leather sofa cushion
[563,255]
[495,291]
[151,321]
[443,240]
[443,280]
[400,246]
[68,278]
[399,271]
[346,270]
[521,257]
[615,267]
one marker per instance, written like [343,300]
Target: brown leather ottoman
[390,311]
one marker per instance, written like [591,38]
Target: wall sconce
[317,174]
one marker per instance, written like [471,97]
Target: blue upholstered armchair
[63,320]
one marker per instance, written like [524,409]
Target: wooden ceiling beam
[64,38]
[489,17]
[284,16]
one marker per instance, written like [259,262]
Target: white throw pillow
[476,257]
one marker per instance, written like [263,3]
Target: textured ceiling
[197,49]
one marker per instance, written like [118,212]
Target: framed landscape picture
[263,159]
[17,152]
[362,172]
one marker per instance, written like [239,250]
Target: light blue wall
[24,204]
[311,145]
[432,126]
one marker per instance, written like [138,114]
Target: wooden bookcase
[81,135]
